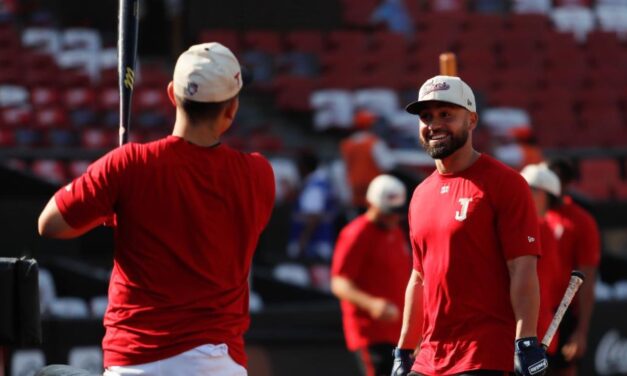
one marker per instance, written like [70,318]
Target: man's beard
[446,148]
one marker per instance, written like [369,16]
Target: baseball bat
[448,64]
[128,26]
[576,279]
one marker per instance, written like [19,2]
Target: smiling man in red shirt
[474,231]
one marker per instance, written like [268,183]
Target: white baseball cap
[386,193]
[444,89]
[207,72]
[541,177]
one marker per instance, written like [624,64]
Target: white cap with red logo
[207,72]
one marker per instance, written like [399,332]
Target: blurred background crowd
[330,79]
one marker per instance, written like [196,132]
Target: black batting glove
[403,360]
[529,357]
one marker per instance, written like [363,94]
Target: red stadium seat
[518,78]
[529,23]
[50,170]
[486,22]
[261,40]
[292,93]
[76,168]
[358,12]
[43,96]
[348,40]
[229,38]
[51,117]
[306,41]
[79,97]
[98,138]
[598,176]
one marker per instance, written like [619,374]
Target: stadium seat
[332,108]
[306,41]
[88,358]
[229,38]
[510,97]
[83,61]
[7,137]
[521,77]
[27,362]
[42,39]
[612,17]
[262,40]
[50,117]
[597,176]
[44,96]
[80,102]
[454,6]
[293,93]
[14,96]
[61,138]
[98,138]
[576,19]
[15,117]
[76,168]
[348,41]
[529,23]
[81,39]
[531,6]
[598,97]
[357,12]
[54,172]
[382,102]
[487,22]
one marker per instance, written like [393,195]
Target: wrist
[526,342]
[398,352]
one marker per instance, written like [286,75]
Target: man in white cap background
[187,213]
[473,232]
[545,190]
[369,271]
[579,242]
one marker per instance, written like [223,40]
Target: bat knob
[578,274]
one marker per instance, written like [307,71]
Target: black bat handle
[128,26]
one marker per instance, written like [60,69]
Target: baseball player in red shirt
[474,235]
[369,271]
[188,212]
[545,190]
[580,248]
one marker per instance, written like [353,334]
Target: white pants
[209,360]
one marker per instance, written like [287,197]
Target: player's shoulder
[497,173]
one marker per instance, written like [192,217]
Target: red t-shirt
[377,261]
[464,228]
[550,295]
[188,221]
[578,238]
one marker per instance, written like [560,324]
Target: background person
[580,248]
[371,266]
[545,190]
[187,214]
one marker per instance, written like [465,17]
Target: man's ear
[474,120]
[231,110]
[170,91]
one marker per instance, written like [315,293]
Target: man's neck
[197,134]
[458,161]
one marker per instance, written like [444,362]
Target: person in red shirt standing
[370,268]
[545,190]
[580,248]
[187,213]
[474,235]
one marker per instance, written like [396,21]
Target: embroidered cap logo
[435,86]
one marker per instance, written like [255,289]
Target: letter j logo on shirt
[460,215]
